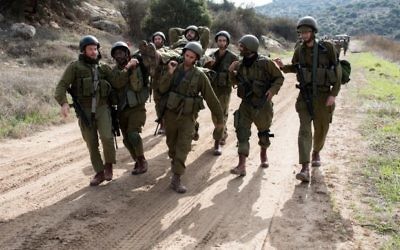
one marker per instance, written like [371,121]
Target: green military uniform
[327,84]
[132,91]
[222,85]
[79,76]
[183,105]
[263,75]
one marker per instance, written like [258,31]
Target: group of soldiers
[181,77]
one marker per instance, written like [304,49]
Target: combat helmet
[195,47]
[88,40]
[308,21]
[225,34]
[250,42]
[195,29]
[158,33]
[120,45]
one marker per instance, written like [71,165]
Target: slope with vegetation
[340,16]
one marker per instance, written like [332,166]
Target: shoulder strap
[314,67]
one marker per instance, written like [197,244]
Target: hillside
[339,16]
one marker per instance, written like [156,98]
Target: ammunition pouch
[185,105]
[137,98]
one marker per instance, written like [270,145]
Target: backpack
[346,71]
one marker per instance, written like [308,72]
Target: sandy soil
[46,203]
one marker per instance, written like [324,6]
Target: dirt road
[46,203]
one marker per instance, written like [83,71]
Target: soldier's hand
[269,95]
[330,101]
[279,62]
[234,66]
[172,66]
[132,63]
[65,110]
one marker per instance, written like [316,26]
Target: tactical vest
[183,97]
[257,82]
[221,78]
[83,86]
[136,92]
[325,70]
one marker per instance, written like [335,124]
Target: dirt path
[45,201]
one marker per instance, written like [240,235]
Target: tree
[134,12]
[165,14]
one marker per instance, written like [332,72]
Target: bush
[165,14]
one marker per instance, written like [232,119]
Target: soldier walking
[221,84]
[318,73]
[184,84]
[258,80]
[132,93]
[89,82]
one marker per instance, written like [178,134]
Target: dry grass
[386,47]
[26,100]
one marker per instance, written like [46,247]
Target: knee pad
[264,136]
[134,138]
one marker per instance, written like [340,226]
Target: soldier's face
[190,58]
[158,41]
[120,57]
[244,51]
[190,35]
[222,42]
[306,36]
[91,51]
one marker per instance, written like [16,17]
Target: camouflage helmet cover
[250,42]
[308,21]
[88,40]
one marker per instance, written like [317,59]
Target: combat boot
[140,166]
[108,171]
[304,174]
[97,179]
[217,148]
[264,158]
[196,135]
[176,184]
[161,131]
[240,169]
[316,160]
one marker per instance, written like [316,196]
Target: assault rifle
[115,123]
[305,91]
[80,113]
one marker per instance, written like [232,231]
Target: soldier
[132,92]
[319,86]
[346,42]
[183,83]
[221,84]
[89,81]
[158,38]
[190,34]
[258,80]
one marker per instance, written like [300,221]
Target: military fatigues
[79,76]
[222,85]
[327,84]
[183,105]
[263,75]
[132,92]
